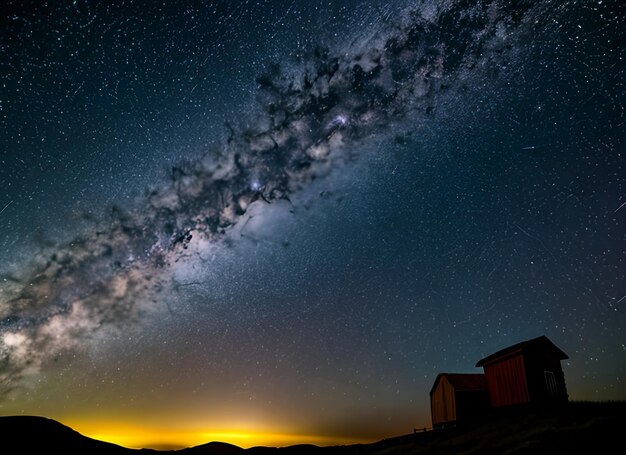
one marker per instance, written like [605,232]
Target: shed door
[551,386]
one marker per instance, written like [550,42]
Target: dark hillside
[38,435]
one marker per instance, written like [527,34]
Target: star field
[277,222]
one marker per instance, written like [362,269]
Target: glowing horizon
[169,438]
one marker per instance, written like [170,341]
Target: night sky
[274,222]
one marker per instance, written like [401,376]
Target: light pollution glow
[168,438]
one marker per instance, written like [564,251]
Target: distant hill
[27,434]
[571,429]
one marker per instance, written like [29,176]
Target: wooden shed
[527,372]
[456,397]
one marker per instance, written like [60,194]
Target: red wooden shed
[527,372]
[456,397]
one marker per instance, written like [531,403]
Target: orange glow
[133,436]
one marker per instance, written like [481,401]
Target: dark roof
[462,382]
[540,343]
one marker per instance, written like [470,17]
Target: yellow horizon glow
[140,437]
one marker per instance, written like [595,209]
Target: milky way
[313,117]
[309,116]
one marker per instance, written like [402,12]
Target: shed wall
[536,366]
[471,404]
[443,403]
[506,382]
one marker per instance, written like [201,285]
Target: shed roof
[539,343]
[462,382]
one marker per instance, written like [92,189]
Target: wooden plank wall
[506,382]
[442,403]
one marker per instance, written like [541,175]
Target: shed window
[550,382]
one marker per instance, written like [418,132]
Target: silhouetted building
[527,372]
[456,397]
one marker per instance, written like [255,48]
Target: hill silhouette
[572,428]
[29,434]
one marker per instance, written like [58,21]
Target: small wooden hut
[456,397]
[527,372]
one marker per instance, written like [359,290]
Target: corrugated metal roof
[540,343]
[462,381]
